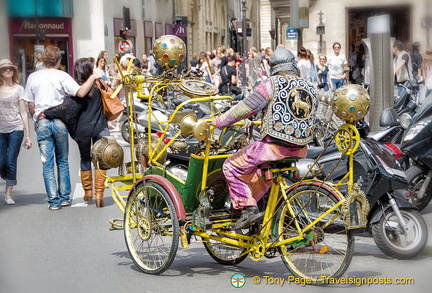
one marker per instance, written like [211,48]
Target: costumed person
[288,104]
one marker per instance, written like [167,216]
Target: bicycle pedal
[116,226]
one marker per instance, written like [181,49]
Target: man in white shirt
[336,63]
[402,66]
[45,89]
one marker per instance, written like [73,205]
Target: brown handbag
[112,106]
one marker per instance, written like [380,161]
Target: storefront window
[40,8]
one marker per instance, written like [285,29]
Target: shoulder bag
[112,106]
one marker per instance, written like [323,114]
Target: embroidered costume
[288,103]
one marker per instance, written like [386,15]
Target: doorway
[400,20]
[25,50]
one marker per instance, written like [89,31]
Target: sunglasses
[10,68]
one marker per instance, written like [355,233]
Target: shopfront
[28,36]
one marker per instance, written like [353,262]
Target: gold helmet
[351,102]
[169,51]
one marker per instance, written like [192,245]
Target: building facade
[81,28]
[345,21]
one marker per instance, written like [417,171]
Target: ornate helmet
[169,51]
[283,60]
[351,102]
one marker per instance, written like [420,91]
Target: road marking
[78,195]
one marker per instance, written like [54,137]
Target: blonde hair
[16,78]
[50,56]
[322,55]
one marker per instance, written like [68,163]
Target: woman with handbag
[228,85]
[89,126]
[323,74]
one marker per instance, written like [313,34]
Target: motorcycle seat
[314,152]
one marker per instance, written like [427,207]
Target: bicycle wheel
[224,253]
[327,247]
[151,228]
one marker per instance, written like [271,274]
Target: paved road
[72,250]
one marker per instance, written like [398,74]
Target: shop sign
[180,30]
[46,24]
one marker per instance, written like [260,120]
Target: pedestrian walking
[14,125]
[402,65]
[323,73]
[337,63]
[87,128]
[45,89]
[427,70]
[303,63]
[416,59]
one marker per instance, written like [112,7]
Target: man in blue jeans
[45,89]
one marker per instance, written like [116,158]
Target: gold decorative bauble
[106,153]
[169,51]
[351,102]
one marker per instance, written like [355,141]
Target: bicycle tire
[151,228]
[224,253]
[331,250]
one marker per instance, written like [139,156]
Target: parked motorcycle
[397,227]
[417,155]
[395,120]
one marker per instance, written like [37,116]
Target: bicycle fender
[401,203]
[319,184]
[172,191]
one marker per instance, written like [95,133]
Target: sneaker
[66,203]
[248,216]
[9,201]
[54,208]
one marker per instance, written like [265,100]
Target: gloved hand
[246,123]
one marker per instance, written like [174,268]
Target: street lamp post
[320,30]
[243,3]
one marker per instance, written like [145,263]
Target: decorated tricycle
[307,223]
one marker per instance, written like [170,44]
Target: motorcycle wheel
[387,236]
[125,130]
[416,177]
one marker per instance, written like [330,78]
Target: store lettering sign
[28,25]
[49,25]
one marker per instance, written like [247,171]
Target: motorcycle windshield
[424,110]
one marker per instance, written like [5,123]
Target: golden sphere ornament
[351,102]
[169,51]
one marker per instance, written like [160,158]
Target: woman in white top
[303,63]
[13,122]
[205,67]
[337,63]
